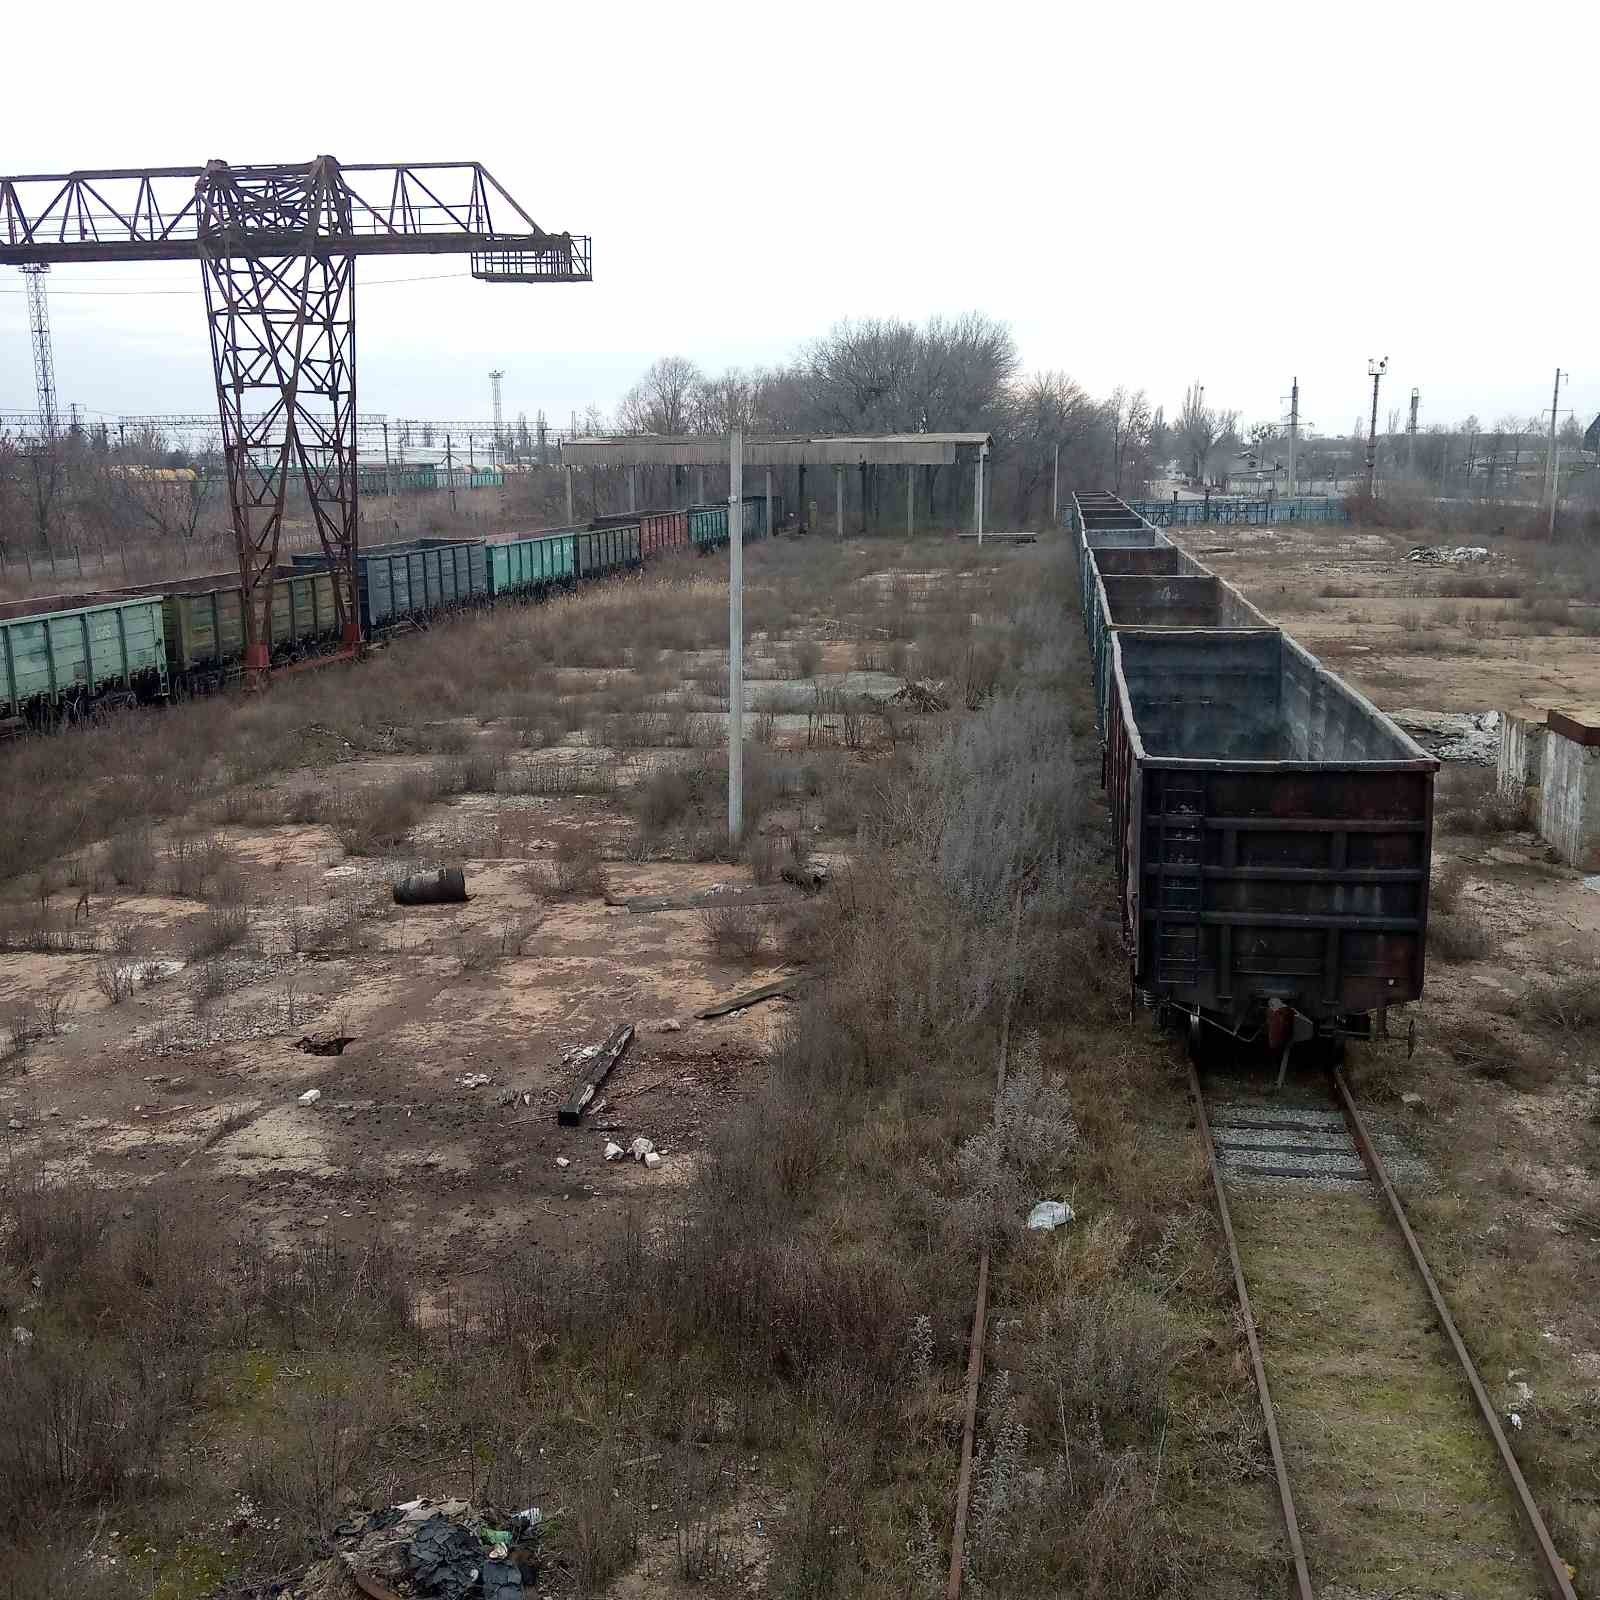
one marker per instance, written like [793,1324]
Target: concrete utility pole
[838,502]
[388,476]
[450,470]
[1411,430]
[1550,468]
[1375,371]
[1294,429]
[1055,488]
[735,635]
[977,494]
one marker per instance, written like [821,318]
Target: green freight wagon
[63,655]
[533,566]
[708,527]
[204,620]
[602,550]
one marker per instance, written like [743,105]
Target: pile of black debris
[439,1550]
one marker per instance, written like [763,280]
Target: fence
[1190,513]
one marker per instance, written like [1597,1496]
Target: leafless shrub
[218,929]
[512,935]
[806,658]
[194,860]
[770,853]
[664,797]
[575,869]
[1568,1004]
[1548,610]
[1470,803]
[114,979]
[25,1026]
[131,859]
[474,952]
[603,1535]
[304,806]
[559,777]
[1458,936]
[734,932]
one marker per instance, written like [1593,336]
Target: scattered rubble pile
[1447,555]
[1472,736]
[434,1550]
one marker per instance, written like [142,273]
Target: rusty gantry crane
[277,247]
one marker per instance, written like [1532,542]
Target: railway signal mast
[277,247]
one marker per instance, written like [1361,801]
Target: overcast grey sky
[1147,193]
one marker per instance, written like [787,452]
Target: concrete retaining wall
[1569,801]
[1521,763]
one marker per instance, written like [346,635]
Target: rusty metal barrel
[446,887]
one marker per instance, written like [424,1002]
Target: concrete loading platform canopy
[839,451]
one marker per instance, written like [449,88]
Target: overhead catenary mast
[499,413]
[277,247]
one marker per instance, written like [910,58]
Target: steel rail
[1291,1523]
[980,1313]
[1554,1568]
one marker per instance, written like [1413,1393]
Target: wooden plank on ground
[592,1074]
[754,997]
[704,900]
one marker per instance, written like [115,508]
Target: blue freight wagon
[63,656]
[534,565]
[415,580]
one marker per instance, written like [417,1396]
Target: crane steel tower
[44,366]
[277,247]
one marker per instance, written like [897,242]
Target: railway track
[1277,1148]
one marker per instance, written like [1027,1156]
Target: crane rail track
[1552,1568]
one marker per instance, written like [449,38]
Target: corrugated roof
[770,450]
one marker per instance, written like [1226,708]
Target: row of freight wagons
[60,656]
[1273,828]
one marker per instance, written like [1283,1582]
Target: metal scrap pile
[445,1550]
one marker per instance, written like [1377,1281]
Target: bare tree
[662,401]
[1131,420]
[44,476]
[727,402]
[1201,429]
[172,500]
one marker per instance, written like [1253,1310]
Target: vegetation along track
[1368,1421]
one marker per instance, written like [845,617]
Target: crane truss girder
[415,208]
